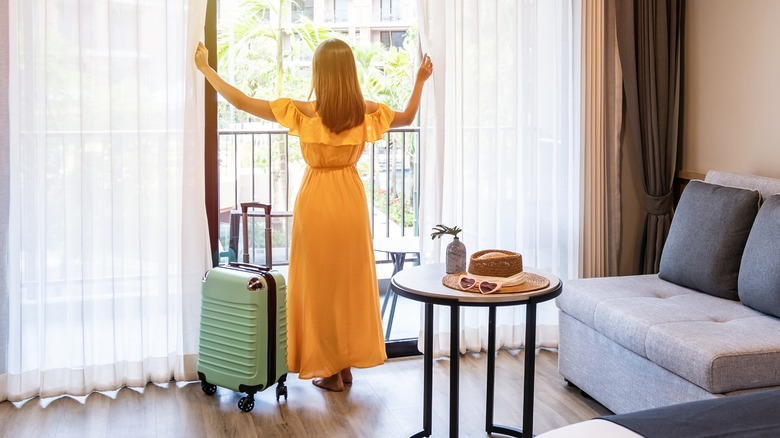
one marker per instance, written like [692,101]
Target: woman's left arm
[258,107]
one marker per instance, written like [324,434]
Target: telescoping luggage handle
[245,206]
[256,285]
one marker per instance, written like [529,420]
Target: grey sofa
[707,326]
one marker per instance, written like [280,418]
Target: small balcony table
[398,248]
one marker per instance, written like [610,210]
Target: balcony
[387,14]
[302,12]
[266,166]
[336,15]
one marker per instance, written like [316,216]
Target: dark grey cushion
[707,237]
[759,275]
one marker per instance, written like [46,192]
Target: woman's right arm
[406,117]
[258,107]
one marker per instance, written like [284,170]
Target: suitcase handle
[245,206]
[249,266]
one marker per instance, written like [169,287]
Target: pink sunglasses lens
[467,283]
[487,287]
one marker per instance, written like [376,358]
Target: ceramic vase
[456,256]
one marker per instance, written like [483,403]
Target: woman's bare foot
[332,383]
[346,375]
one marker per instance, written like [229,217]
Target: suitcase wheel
[281,390]
[208,388]
[246,404]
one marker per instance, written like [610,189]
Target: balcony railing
[336,15]
[386,14]
[266,166]
[299,12]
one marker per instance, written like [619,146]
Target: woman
[333,320]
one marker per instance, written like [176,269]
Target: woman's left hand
[201,57]
[426,69]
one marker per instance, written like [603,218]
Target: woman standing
[333,299]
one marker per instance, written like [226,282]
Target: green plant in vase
[440,230]
[456,250]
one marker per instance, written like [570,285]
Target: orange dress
[333,319]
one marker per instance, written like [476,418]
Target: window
[302,9]
[258,161]
[340,11]
[392,38]
[389,10]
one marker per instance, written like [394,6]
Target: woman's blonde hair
[334,81]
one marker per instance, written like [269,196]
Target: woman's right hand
[201,57]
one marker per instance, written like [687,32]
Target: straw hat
[497,265]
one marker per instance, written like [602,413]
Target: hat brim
[532,282]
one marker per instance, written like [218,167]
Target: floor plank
[384,401]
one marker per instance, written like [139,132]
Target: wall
[732,87]
[731,102]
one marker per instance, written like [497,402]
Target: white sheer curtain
[108,237]
[4,184]
[501,154]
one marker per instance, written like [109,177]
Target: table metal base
[528,377]
[398,258]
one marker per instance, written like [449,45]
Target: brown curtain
[650,43]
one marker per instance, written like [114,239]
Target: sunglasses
[486,287]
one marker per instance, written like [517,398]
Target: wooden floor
[385,401]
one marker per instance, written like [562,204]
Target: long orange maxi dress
[333,319]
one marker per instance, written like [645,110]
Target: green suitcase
[243,327]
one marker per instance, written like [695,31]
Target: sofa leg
[582,393]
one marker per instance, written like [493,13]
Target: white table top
[406,244]
[426,281]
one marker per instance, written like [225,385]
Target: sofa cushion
[707,237]
[719,345]
[759,273]
[720,354]
[581,297]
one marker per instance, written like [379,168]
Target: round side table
[424,284]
